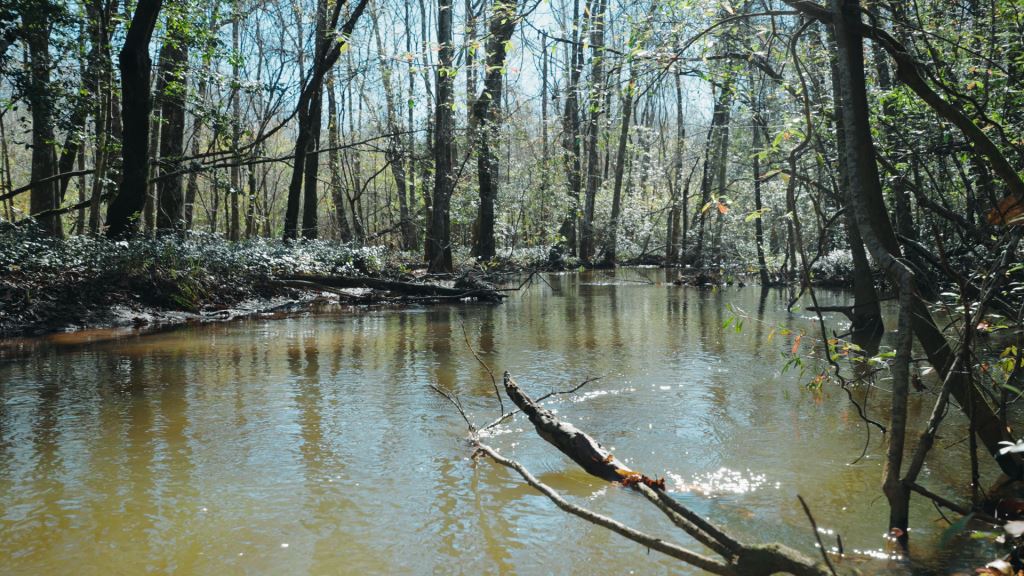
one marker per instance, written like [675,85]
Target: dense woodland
[693,132]
[878,144]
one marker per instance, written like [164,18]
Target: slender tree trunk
[250,205]
[236,121]
[572,139]
[72,150]
[676,212]
[136,105]
[328,50]
[439,243]
[487,118]
[395,154]
[44,195]
[337,192]
[705,188]
[411,145]
[192,188]
[722,163]
[760,130]
[83,196]
[99,31]
[149,211]
[545,177]
[620,163]
[597,106]
[171,92]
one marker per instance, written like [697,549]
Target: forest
[859,164]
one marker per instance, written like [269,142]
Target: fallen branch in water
[506,415]
[652,542]
[740,559]
[737,559]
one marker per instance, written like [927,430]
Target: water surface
[313,445]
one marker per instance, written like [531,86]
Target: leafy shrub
[836,264]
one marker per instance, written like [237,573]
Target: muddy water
[313,445]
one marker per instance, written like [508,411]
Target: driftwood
[738,559]
[407,290]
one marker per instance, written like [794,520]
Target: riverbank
[49,285]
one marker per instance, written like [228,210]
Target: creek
[313,444]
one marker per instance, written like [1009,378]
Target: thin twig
[454,399]
[652,542]
[541,399]
[817,535]
[494,381]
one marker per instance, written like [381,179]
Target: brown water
[313,445]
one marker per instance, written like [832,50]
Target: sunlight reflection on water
[207,449]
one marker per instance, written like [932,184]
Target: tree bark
[310,196]
[866,325]
[136,105]
[760,135]
[236,121]
[597,87]
[45,195]
[171,90]
[486,118]
[611,248]
[439,249]
[334,163]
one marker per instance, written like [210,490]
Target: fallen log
[406,289]
[571,441]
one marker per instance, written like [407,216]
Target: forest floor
[49,285]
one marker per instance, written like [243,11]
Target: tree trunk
[46,195]
[328,49]
[411,145]
[572,139]
[597,87]
[866,326]
[334,165]
[620,164]
[310,196]
[486,118]
[171,91]
[439,249]
[395,153]
[136,105]
[760,135]
[236,122]
[676,212]
[99,12]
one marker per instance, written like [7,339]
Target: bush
[837,264]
